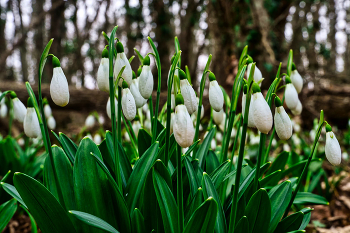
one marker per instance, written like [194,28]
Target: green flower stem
[11,117]
[179,189]
[305,169]
[131,130]
[201,91]
[119,119]
[270,143]
[112,100]
[150,105]
[168,114]
[4,94]
[129,133]
[261,148]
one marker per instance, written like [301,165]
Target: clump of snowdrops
[94,188]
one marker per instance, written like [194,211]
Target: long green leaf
[68,146]
[242,225]
[11,190]
[204,147]
[94,221]
[7,210]
[290,223]
[192,177]
[144,141]
[138,222]
[44,207]
[219,173]
[310,198]
[279,163]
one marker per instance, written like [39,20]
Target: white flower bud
[183,126]
[216,97]
[3,99]
[291,96]
[47,110]
[218,117]
[59,89]
[128,104]
[19,110]
[3,110]
[102,75]
[51,123]
[108,107]
[120,62]
[136,126]
[283,124]
[134,88]
[332,149]
[147,124]
[97,139]
[298,109]
[172,121]
[189,96]
[31,124]
[146,82]
[261,113]
[222,124]
[257,73]
[297,80]
[90,121]
[218,136]
[172,101]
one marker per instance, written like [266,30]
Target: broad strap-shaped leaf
[69,147]
[167,203]
[290,223]
[310,198]
[211,162]
[12,191]
[7,210]
[138,222]
[297,166]
[144,141]
[44,207]
[279,163]
[94,221]
[139,174]
[204,147]
[32,221]
[242,225]
[195,202]
[258,212]
[220,172]
[209,190]
[270,179]
[192,177]
[203,219]
[279,202]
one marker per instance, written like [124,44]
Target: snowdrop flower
[188,93]
[120,62]
[97,139]
[90,121]
[148,124]
[216,97]
[136,126]
[89,136]
[2,100]
[286,147]
[213,144]
[47,110]
[172,101]
[134,88]
[51,123]
[202,110]
[218,117]
[296,79]
[3,110]
[332,148]
[261,111]
[172,121]
[183,126]
[128,103]
[218,136]
[21,142]
[31,123]
[251,123]
[19,110]
[283,124]
[103,72]
[59,90]
[146,79]
[298,109]
[291,94]
[145,107]
[257,73]
[108,107]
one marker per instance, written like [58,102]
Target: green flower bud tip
[182,75]
[278,102]
[245,89]
[255,88]
[105,53]
[328,128]
[45,101]
[55,62]
[30,103]
[137,118]
[133,75]
[125,84]
[13,95]
[288,80]
[120,47]
[293,66]
[179,99]
[212,76]
[139,70]
[250,59]
[146,61]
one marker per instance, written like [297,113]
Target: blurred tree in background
[317,31]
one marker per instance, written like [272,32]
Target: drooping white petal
[134,88]
[102,75]
[189,96]
[108,107]
[51,123]
[90,121]
[297,80]
[3,99]
[298,109]
[183,127]
[146,82]
[128,104]
[119,63]
[172,122]
[97,139]
[3,110]
[218,117]
[31,124]
[216,97]
[257,73]
[172,101]
[59,87]
[251,123]
[283,124]
[261,113]
[332,149]
[19,110]
[47,110]
[136,126]
[222,124]
[291,96]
